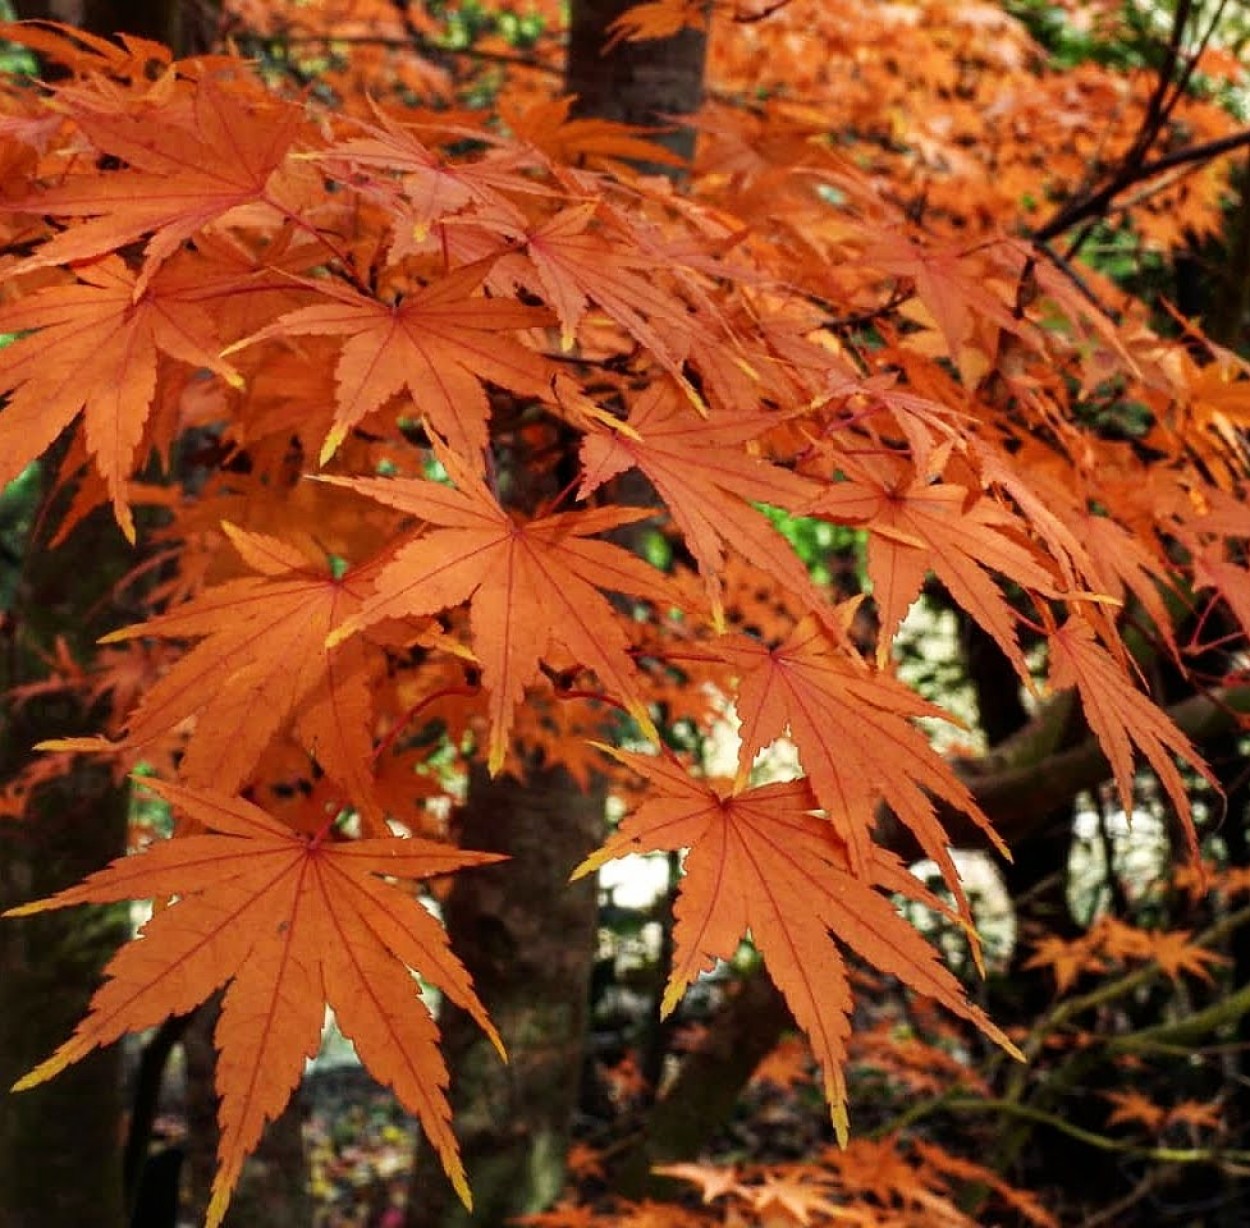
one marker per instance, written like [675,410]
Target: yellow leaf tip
[331,445]
[498,753]
[42,1073]
[461,1185]
[841,1122]
[673,994]
[23,910]
[589,866]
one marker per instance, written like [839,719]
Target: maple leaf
[855,739]
[787,1066]
[562,1215]
[575,266]
[83,51]
[530,586]
[796,1196]
[1121,717]
[292,924]
[657,19]
[964,1170]
[714,1181]
[1132,1106]
[954,289]
[917,526]
[585,1162]
[441,343]
[421,188]
[1196,1114]
[752,853]
[546,124]
[262,659]
[707,481]
[185,172]
[1174,953]
[1067,959]
[107,335]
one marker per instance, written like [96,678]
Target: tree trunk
[188,26]
[1226,320]
[706,1088]
[60,1142]
[647,83]
[527,937]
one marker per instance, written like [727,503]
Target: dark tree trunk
[647,83]
[188,26]
[706,1088]
[1226,320]
[59,1142]
[527,937]
[60,1157]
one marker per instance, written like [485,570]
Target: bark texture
[60,1142]
[527,937]
[653,82]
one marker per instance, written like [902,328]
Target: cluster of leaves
[872,1184]
[398,363]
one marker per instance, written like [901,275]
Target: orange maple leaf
[1121,717]
[787,1066]
[262,659]
[707,481]
[917,526]
[714,1180]
[952,284]
[1067,959]
[440,342]
[855,739]
[575,266]
[1174,953]
[530,586]
[793,1198]
[107,335]
[187,167]
[546,124]
[657,19]
[1022,1201]
[1132,1106]
[752,853]
[84,52]
[419,188]
[1196,1114]
[293,923]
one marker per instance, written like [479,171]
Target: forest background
[951,298]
